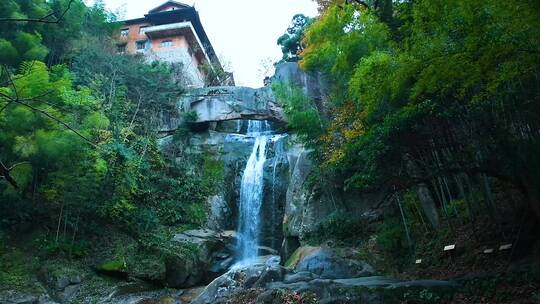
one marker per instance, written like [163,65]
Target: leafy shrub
[47,246]
[302,114]
[340,227]
[392,241]
[15,268]
[298,298]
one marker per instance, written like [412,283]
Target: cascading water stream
[251,193]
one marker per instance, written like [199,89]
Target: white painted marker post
[505,247]
[449,250]
[449,247]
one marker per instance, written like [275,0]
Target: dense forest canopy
[422,92]
[79,127]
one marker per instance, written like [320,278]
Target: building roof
[169,3]
[184,13]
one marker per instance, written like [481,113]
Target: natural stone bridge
[214,104]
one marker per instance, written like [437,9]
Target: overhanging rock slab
[213,104]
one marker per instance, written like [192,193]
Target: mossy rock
[299,254]
[113,265]
[147,266]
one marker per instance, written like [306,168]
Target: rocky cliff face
[292,207]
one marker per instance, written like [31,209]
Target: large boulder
[62,282]
[213,104]
[210,254]
[328,263]
[255,274]
[374,290]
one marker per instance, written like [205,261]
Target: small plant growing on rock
[299,298]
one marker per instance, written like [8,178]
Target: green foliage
[48,247]
[428,85]
[291,42]
[16,269]
[81,134]
[213,173]
[392,241]
[303,116]
[338,227]
[53,42]
[191,116]
[422,296]
[113,265]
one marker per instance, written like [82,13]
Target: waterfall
[251,192]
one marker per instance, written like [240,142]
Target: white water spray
[251,193]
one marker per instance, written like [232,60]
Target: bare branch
[5,173]
[42,19]
[18,164]
[57,120]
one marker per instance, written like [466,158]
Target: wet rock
[263,250]
[240,277]
[130,288]
[302,276]
[189,294]
[370,282]
[62,281]
[328,263]
[270,274]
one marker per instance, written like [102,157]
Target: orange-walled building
[173,32]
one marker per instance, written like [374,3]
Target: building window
[124,32]
[141,45]
[121,48]
[166,43]
[142,30]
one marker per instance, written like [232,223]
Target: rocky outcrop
[63,283]
[313,84]
[307,205]
[258,273]
[214,104]
[267,278]
[328,263]
[373,290]
[211,255]
[17,297]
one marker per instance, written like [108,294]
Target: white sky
[243,32]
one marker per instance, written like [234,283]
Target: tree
[52,17]
[291,42]
[432,97]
